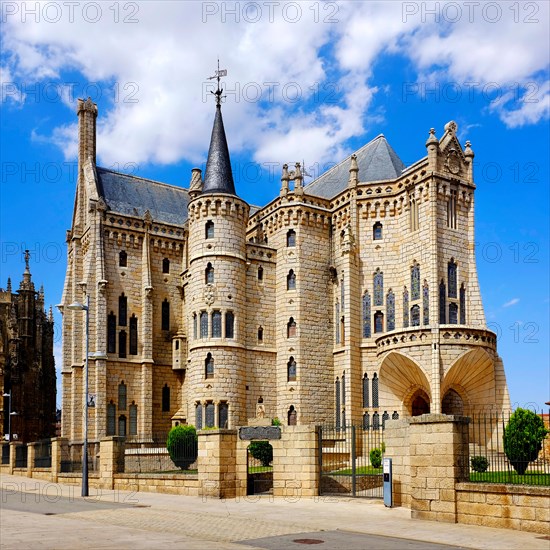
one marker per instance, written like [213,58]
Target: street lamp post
[76,306]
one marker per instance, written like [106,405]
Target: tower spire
[218,176]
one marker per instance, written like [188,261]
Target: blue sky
[308,81]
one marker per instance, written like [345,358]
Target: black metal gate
[259,478]
[350,461]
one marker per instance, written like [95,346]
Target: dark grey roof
[132,196]
[218,177]
[376,161]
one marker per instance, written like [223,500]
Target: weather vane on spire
[218,92]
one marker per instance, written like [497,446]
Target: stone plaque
[260,432]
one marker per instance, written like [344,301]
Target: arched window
[413,214]
[165,314]
[122,396]
[165,398]
[452,280]
[111,333]
[378,322]
[198,416]
[385,417]
[292,416]
[395,415]
[133,419]
[366,315]
[209,230]
[122,425]
[123,258]
[343,390]
[291,370]
[195,326]
[415,282]
[291,280]
[166,265]
[377,231]
[111,418]
[291,237]
[375,390]
[223,414]
[442,304]
[209,274]
[366,399]
[390,308]
[462,305]
[260,273]
[453,314]
[229,325]
[133,335]
[209,414]
[337,322]
[405,307]
[426,303]
[342,294]
[415,316]
[209,366]
[343,329]
[122,344]
[344,424]
[216,324]
[378,280]
[451,210]
[204,324]
[122,310]
[260,334]
[375,421]
[337,402]
[291,328]
[366,421]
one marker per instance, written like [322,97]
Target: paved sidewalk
[38,514]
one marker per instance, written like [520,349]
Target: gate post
[320,461]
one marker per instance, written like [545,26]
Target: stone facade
[27,367]
[352,299]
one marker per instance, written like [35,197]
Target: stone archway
[402,380]
[452,403]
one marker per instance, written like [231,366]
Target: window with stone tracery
[415,282]
[366,315]
[378,280]
[390,309]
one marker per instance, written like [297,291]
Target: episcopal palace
[350,300]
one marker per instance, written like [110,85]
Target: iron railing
[488,461]
[43,454]
[21,456]
[350,460]
[5,454]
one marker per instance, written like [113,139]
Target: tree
[523,438]
[182,445]
[262,451]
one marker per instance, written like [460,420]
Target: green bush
[479,464]
[262,451]
[376,458]
[523,438]
[182,445]
[276,422]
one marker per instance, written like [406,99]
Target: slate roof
[132,196]
[376,161]
[218,177]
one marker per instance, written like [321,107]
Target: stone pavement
[39,514]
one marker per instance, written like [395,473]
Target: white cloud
[511,302]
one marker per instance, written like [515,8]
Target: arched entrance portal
[420,404]
[259,474]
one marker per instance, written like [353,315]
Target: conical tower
[217,282]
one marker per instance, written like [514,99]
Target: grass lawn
[530,478]
[361,470]
[259,469]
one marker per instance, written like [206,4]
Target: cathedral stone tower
[215,283]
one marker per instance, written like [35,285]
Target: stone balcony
[425,336]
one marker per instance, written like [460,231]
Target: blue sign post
[387,472]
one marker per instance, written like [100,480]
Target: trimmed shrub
[262,451]
[523,438]
[183,446]
[376,458]
[479,464]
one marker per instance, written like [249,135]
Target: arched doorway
[420,404]
[292,416]
[259,474]
[452,403]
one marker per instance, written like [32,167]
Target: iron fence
[5,454]
[74,463]
[488,460]
[21,456]
[43,454]
[153,456]
[350,460]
